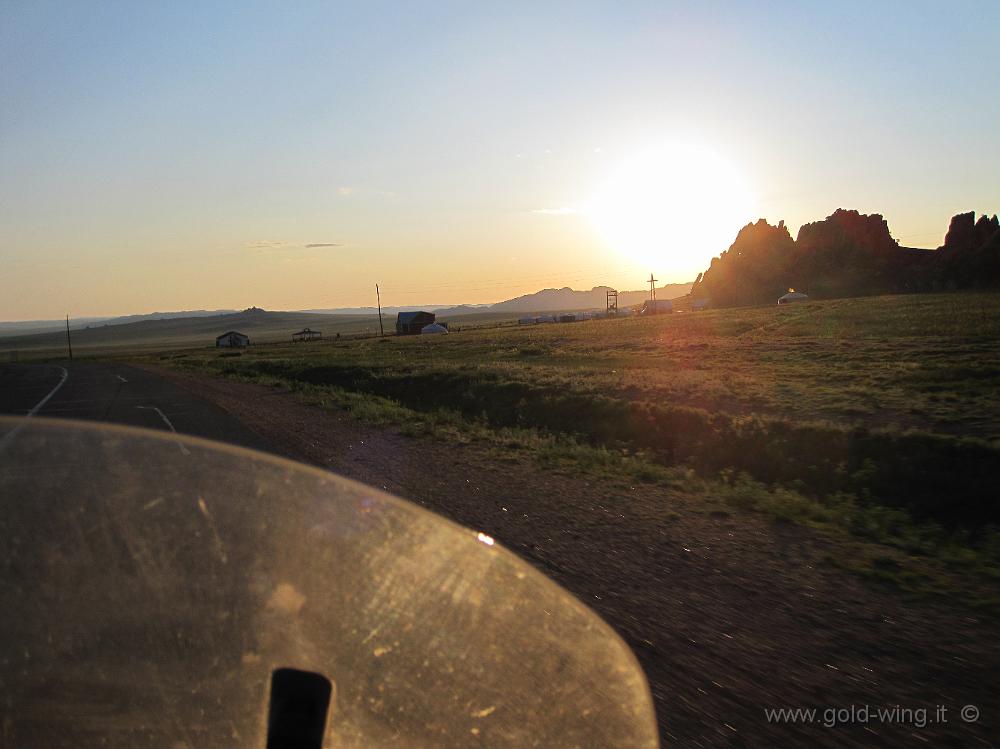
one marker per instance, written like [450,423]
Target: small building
[697,305]
[656,307]
[542,319]
[411,323]
[306,334]
[433,329]
[793,297]
[567,317]
[526,321]
[232,339]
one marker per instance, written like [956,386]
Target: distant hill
[41,326]
[465,308]
[461,309]
[125,319]
[23,327]
[848,254]
[550,300]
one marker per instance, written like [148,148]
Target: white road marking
[7,438]
[167,421]
[121,378]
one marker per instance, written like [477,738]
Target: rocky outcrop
[970,255]
[965,233]
[754,270]
[848,229]
[849,254]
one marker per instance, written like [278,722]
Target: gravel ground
[729,615]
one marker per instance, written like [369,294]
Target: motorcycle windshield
[150,584]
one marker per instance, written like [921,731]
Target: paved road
[96,391]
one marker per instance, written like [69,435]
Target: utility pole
[652,289]
[378,297]
[69,342]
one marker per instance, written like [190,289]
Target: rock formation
[849,254]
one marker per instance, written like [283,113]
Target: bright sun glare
[672,208]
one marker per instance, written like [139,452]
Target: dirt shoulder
[728,614]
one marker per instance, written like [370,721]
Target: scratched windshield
[152,583]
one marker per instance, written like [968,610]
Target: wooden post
[69,342]
[378,297]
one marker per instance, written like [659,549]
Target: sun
[670,209]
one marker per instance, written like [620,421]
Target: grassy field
[877,419]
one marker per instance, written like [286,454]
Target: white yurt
[433,329]
[656,306]
[793,297]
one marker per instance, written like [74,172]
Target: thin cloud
[346,191]
[270,245]
[556,211]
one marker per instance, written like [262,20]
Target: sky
[205,155]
